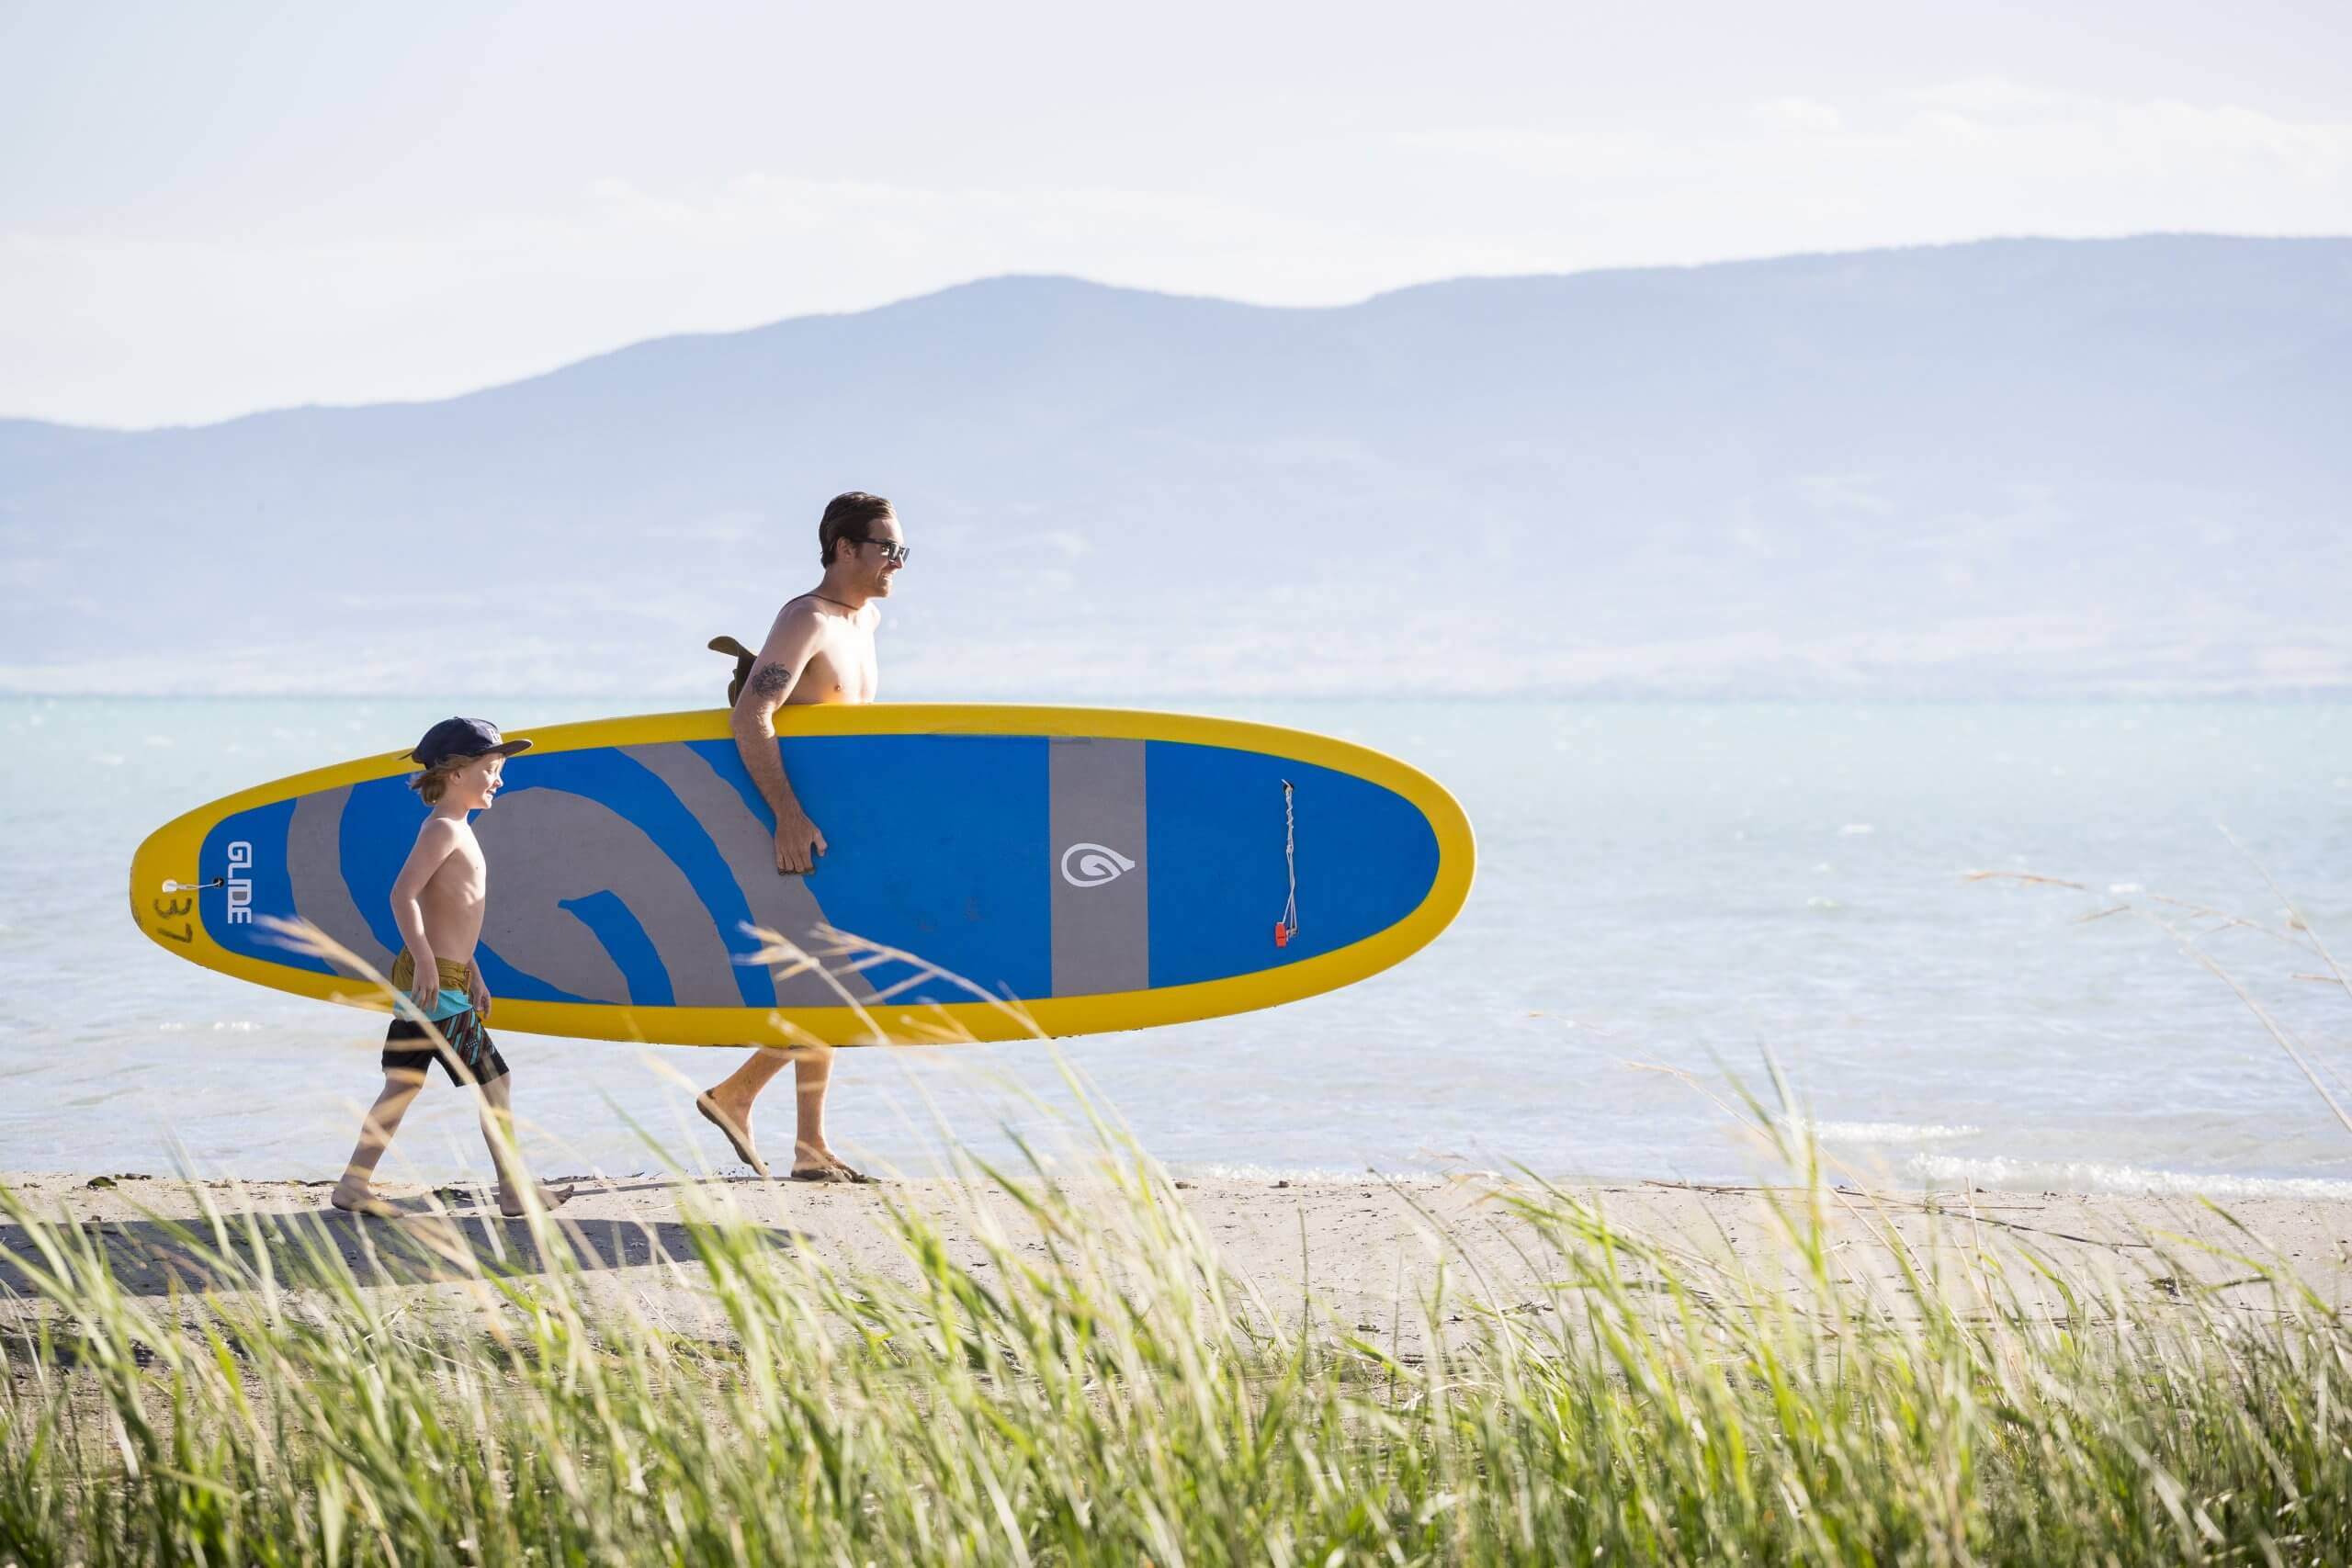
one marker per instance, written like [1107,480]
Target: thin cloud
[103,328]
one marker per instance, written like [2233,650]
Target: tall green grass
[1094,1386]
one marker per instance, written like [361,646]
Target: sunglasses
[895,554]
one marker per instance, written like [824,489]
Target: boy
[438,901]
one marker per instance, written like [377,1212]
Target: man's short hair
[850,515]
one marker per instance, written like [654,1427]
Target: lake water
[1668,895]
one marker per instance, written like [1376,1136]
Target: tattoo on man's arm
[772,682]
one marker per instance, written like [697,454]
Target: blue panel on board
[270,893]
[1366,858]
[936,845]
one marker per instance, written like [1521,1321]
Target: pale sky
[211,209]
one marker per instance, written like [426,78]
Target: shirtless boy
[439,900]
[819,650]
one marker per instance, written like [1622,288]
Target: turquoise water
[1667,895]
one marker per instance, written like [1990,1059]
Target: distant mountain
[2003,467]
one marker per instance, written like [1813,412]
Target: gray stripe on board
[314,873]
[547,845]
[1099,866]
[785,905]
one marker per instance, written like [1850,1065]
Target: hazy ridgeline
[2014,468]
[1095,1387]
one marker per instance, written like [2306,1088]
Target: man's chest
[842,670]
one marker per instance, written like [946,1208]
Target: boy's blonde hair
[433,782]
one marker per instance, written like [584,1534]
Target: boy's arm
[435,841]
[790,643]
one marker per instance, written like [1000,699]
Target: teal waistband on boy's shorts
[449,1004]
[454,979]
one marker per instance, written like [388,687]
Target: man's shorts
[408,1048]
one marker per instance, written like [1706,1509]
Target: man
[819,650]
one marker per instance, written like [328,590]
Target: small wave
[2099,1176]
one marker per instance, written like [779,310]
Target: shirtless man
[819,650]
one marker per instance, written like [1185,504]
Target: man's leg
[355,1191]
[814,1074]
[729,1103]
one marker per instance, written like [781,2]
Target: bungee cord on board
[1287,927]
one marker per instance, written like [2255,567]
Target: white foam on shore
[2099,1176]
[1883,1132]
[1297,1175]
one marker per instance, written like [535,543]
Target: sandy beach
[1355,1257]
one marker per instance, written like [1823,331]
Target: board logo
[1092,865]
[240,888]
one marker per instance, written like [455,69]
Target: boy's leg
[356,1190]
[498,1131]
[473,1058]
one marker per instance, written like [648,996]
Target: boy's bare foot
[510,1204]
[360,1201]
[736,1125]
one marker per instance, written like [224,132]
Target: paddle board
[1007,871]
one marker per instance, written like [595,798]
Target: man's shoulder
[795,614]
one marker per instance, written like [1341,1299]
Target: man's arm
[435,841]
[786,652]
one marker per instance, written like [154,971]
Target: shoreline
[2006,1178]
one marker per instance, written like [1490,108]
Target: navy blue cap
[463,738]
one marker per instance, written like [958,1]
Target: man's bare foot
[814,1162]
[361,1200]
[510,1204]
[735,1123]
[835,1171]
